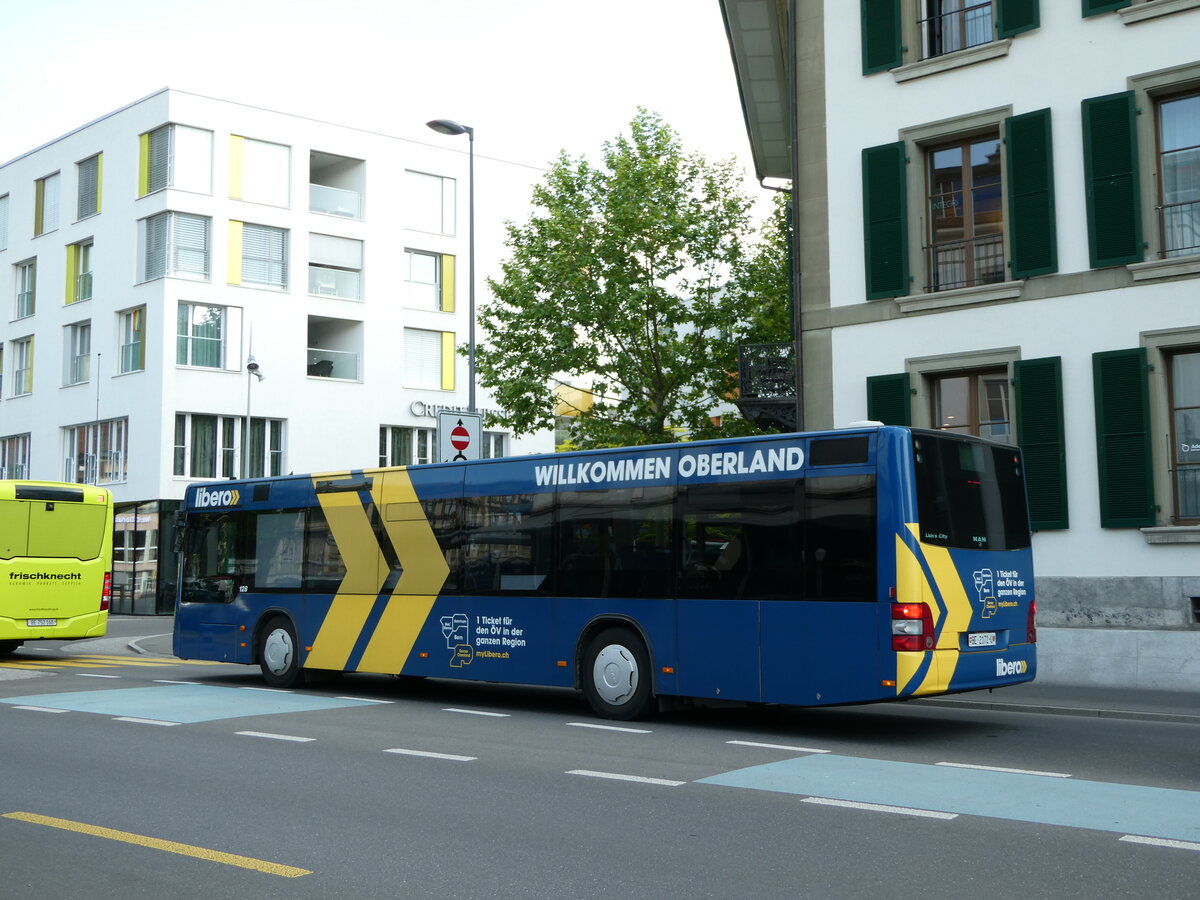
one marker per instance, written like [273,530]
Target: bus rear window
[970,495]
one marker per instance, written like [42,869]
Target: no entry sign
[459,435]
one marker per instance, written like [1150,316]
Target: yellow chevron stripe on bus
[911,587]
[424,572]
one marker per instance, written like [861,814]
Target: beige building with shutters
[148,255]
[998,206]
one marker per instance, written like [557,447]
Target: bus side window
[839,549]
[506,544]
[615,543]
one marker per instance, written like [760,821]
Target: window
[79,271]
[200,336]
[174,245]
[132,329]
[939,27]
[335,266]
[431,200]
[45,210]
[1184,404]
[493,445]
[14,456]
[77,352]
[507,544]
[26,283]
[972,403]
[401,446]
[951,25]
[4,222]
[1179,175]
[263,252]
[991,394]
[611,543]
[988,196]
[208,446]
[88,176]
[22,363]
[259,171]
[966,216]
[97,453]
[175,156]
[429,359]
[429,280]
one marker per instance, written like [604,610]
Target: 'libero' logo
[205,497]
[45,576]
[1015,667]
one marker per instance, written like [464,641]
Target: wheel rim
[615,674]
[278,651]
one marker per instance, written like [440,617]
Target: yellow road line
[229,859]
[69,663]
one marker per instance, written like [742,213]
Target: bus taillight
[912,626]
[1031,623]
[106,594]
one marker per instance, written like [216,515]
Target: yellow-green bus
[56,546]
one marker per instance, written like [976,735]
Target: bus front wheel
[278,655]
[616,674]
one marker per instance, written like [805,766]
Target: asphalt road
[139,776]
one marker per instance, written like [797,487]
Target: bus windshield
[970,494]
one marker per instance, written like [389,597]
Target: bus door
[816,577]
[718,617]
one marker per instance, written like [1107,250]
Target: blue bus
[863,564]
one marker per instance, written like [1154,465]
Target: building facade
[998,206]
[200,289]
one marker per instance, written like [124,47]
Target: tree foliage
[620,283]
[766,279]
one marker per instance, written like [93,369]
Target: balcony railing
[336,202]
[79,369]
[324,363]
[959,264]
[341,283]
[24,304]
[1180,223]
[957,29]
[83,286]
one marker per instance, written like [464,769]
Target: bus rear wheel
[616,674]
[278,655]
[7,647]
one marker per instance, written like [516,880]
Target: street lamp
[448,126]
[251,369]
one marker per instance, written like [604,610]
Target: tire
[616,674]
[7,647]
[278,654]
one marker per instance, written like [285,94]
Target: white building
[999,208]
[149,253]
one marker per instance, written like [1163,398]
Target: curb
[1132,714]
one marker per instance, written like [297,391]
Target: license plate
[35,623]
[982,639]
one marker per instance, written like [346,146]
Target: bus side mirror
[180,530]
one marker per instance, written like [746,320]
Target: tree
[766,277]
[618,283]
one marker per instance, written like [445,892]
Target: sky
[532,77]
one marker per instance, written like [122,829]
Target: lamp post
[251,370]
[448,126]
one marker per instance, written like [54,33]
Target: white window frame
[132,340]
[77,353]
[25,299]
[87,202]
[97,452]
[494,445]
[179,157]
[432,202]
[83,277]
[186,250]
[265,256]
[21,351]
[188,343]
[415,288]
[266,173]
[14,456]
[406,445]
[49,199]
[227,446]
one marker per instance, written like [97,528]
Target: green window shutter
[1038,403]
[1110,165]
[1031,194]
[888,399]
[1015,16]
[1094,7]
[1123,438]
[880,35]
[885,202]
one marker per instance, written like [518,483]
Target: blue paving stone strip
[184,703]
[1101,806]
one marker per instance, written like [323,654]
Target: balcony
[344,284]
[334,201]
[767,385]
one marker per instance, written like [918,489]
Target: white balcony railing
[342,283]
[336,202]
[324,363]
